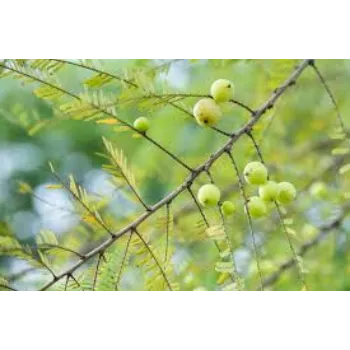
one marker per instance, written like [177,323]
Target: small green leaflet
[345,168]
[340,151]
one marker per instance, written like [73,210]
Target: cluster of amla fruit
[255,173]
[207,110]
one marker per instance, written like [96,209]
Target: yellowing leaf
[24,188]
[90,219]
[37,127]
[108,121]
[222,278]
[54,186]
[122,128]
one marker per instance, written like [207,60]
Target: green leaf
[340,151]
[224,266]
[344,169]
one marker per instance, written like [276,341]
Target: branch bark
[290,81]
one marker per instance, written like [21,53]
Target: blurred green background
[294,138]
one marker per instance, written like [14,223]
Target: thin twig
[154,258]
[234,275]
[189,180]
[96,271]
[57,246]
[101,110]
[167,232]
[249,218]
[256,146]
[294,254]
[78,199]
[198,206]
[324,232]
[66,284]
[96,70]
[330,94]
[126,250]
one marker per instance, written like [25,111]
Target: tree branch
[325,230]
[291,80]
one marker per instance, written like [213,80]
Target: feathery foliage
[135,222]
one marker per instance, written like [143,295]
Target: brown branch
[189,180]
[325,230]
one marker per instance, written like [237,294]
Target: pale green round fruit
[208,195]
[257,207]
[269,191]
[228,208]
[255,173]
[141,124]
[207,112]
[222,90]
[319,190]
[286,193]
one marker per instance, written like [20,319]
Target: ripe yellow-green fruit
[257,207]
[141,124]
[206,112]
[255,173]
[269,191]
[319,190]
[222,90]
[208,195]
[286,193]
[228,208]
